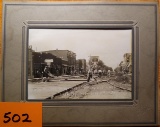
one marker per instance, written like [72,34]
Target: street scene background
[79,64]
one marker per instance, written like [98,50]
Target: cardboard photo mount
[19,17]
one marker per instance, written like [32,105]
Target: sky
[109,45]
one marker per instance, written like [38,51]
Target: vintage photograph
[79,64]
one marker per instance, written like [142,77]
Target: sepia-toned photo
[79,64]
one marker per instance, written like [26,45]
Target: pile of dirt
[125,78]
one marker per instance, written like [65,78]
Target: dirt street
[92,90]
[102,90]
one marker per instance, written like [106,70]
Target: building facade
[126,64]
[60,62]
[40,60]
[69,57]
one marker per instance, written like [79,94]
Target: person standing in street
[109,73]
[57,72]
[90,74]
[45,74]
[99,73]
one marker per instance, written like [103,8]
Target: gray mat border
[156,62]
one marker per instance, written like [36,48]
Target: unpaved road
[43,90]
[96,91]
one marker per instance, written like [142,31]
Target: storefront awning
[64,65]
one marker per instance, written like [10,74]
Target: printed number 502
[16,118]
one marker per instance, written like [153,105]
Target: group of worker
[46,75]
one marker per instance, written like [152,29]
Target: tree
[100,63]
[118,69]
[105,68]
[110,68]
